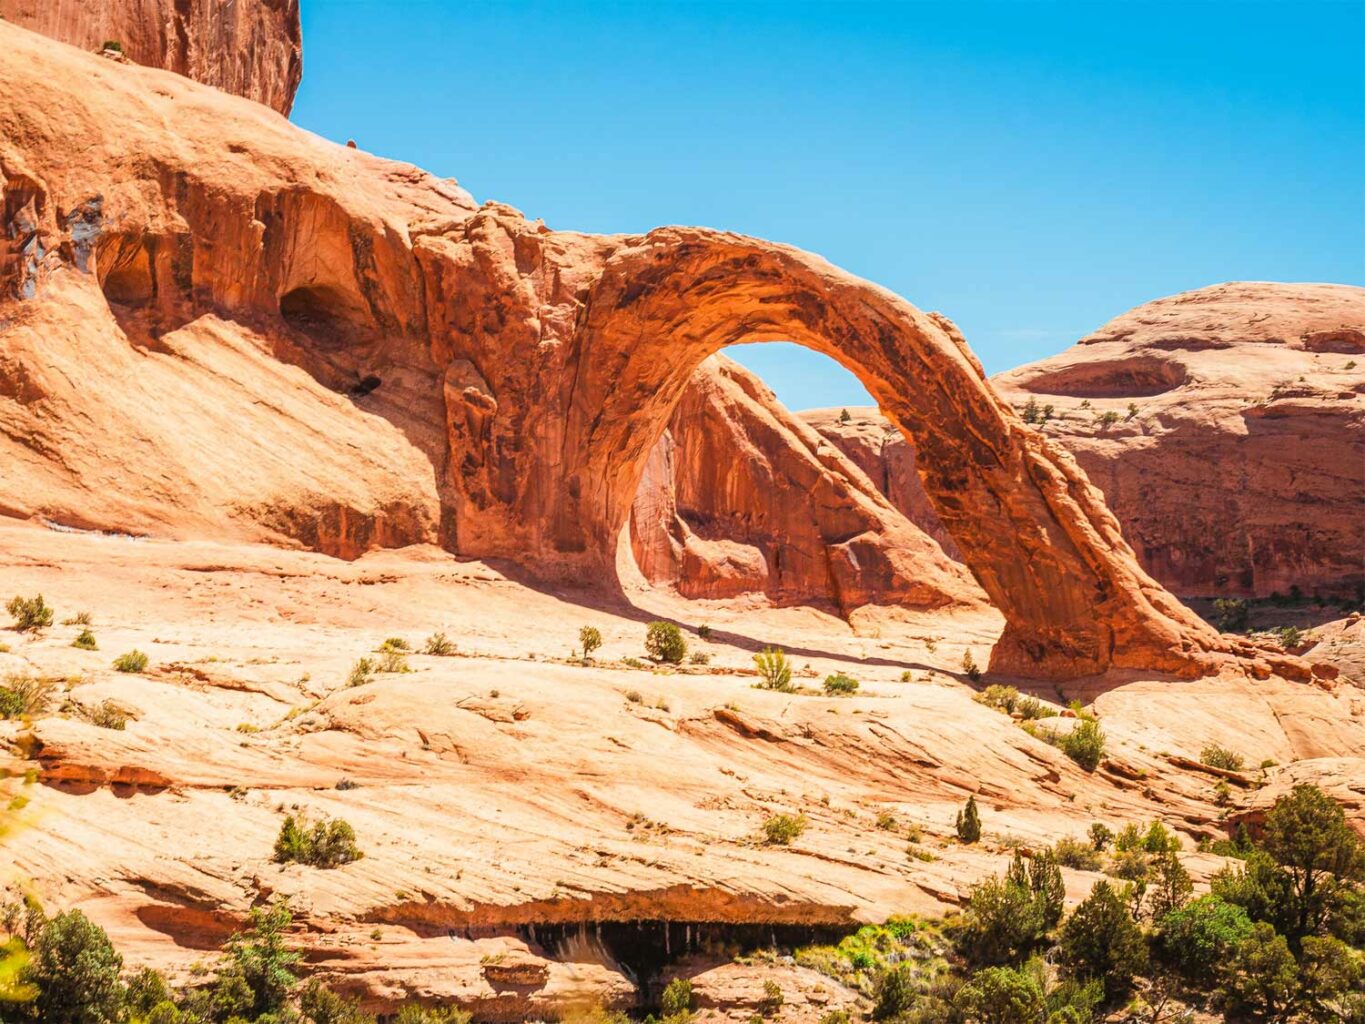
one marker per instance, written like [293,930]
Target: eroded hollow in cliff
[1136,377]
[325,313]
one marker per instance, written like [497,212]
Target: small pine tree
[844,416]
[1101,940]
[969,822]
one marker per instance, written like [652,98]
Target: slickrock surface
[514,806]
[739,496]
[1239,467]
[250,48]
[529,372]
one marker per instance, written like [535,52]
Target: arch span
[1034,532]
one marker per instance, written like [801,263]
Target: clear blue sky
[1029,169]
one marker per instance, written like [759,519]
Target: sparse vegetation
[1232,614]
[590,639]
[23,696]
[79,619]
[1081,856]
[438,645]
[840,684]
[664,643]
[85,641]
[704,632]
[108,714]
[969,668]
[30,614]
[781,829]
[327,843]
[845,416]
[1084,744]
[134,661]
[1132,410]
[1221,757]
[968,824]
[362,672]
[395,643]
[676,1000]
[700,658]
[774,669]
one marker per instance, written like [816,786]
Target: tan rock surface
[512,804]
[1241,469]
[251,48]
[739,496]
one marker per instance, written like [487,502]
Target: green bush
[413,1012]
[1307,835]
[590,639]
[85,641]
[676,1000]
[258,977]
[1232,614]
[664,642]
[328,843]
[1101,940]
[774,669]
[969,668]
[392,660]
[30,613]
[1084,744]
[1100,836]
[318,1004]
[134,661]
[76,971]
[1221,757]
[1002,698]
[1073,853]
[438,645]
[108,714]
[838,683]
[894,993]
[968,824]
[704,632]
[362,672]
[1200,937]
[1003,995]
[781,829]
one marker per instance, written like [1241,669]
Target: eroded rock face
[1234,452]
[529,372]
[739,496]
[251,48]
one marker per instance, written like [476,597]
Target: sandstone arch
[1035,534]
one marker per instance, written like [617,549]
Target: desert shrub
[1003,995]
[1031,412]
[1004,921]
[30,613]
[1221,757]
[362,672]
[886,821]
[1002,698]
[391,659]
[79,619]
[108,714]
[894,993]
[1232,614]
[1107,419]
[1289,636]
[1263,974]
[328,843]
[704,632]
[1130,865]
[1307,835]
[395,643]
[23,695]
[318,1004]
[439,645]
[134,661]
[846,417]
[590,639]
[146,990]
[1198,938]
[700,658]
[664,642]
[634,696]
[1101,940]
[968,824]
[1031,709]
[85,641]
[781,829]
[113,45]
[774,669]
[1259,886]
[969,668]
[1170,887]
[1084,744]
[1100,836]
[258,977]
[676,1000]
[772,998]
[413,1012]
[1073,853]
[344,784]
[838,683]
[76,971]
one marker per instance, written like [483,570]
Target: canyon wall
[251,48]
[477,380]
[1225,426]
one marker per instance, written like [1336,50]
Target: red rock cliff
[360,339]
[252,48]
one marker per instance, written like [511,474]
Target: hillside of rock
[250,48]
[415,368]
